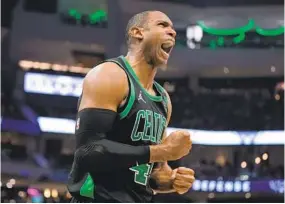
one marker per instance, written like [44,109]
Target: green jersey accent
[152,130]
[136,136]
[148,126]
[125,112]
[87,189]
[130,69]
[131,101]
[141,173]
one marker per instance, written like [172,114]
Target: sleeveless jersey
[140,121]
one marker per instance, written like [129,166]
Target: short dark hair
[137,20]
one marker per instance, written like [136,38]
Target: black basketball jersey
[141,121]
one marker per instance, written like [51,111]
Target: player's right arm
[104,89]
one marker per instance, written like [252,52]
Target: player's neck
[144,71]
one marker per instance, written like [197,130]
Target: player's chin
[162,64]
[163,67]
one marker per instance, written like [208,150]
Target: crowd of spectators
[227,110]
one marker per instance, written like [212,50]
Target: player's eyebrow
[165,23]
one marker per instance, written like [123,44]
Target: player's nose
[171,32]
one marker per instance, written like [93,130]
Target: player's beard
[153,53]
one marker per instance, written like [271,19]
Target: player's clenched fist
[183,179]
[178,144]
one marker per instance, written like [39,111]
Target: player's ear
[136,33]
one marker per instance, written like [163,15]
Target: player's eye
[162,24]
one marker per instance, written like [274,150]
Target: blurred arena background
[225,78]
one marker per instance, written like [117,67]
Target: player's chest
[148,124]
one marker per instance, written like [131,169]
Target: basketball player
[122,148]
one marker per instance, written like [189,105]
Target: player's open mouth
[166,47]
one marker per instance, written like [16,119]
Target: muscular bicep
[104,87]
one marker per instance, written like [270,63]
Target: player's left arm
[164,179]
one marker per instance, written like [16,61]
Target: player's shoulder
[164,91]
[169,104]
[106,70]
[107,73]
[106,78]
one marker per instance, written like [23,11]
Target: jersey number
[141,173]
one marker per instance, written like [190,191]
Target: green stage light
[240,30]
[95,17]
[239,33]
